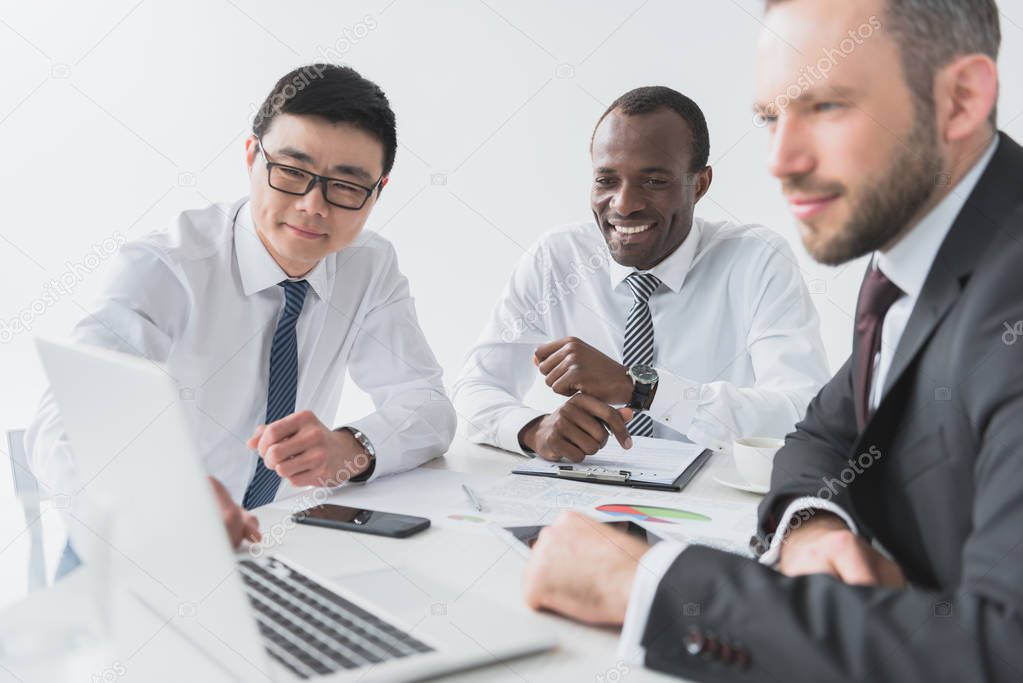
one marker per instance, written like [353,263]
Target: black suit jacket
[936,477]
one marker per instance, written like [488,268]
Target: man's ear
[966,93]
[703,180]
[251,149]
[383,181]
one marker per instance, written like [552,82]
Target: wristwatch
[644,380]
[363,441]
[367,445]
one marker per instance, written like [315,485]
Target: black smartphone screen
[362,520]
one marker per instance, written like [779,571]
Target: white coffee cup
[754,458]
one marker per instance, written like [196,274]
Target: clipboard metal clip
[569,472]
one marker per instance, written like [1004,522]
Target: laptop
[257,617]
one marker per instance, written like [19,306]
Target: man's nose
[628,200]
[313,202]
[790,153]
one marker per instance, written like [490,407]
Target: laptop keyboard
[312,630]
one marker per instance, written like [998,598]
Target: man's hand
[825,545]
[583,569]
[577,429]
[571,365]
[240,525]
[304,451]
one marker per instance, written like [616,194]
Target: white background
[115,116]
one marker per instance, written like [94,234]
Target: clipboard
[619,476]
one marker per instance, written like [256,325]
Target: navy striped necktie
[639,339]
[280,398]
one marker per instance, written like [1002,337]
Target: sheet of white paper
[726,525]
[436,494]
[513,500]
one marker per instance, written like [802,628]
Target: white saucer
[742,486]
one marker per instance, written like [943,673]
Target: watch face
[644,374]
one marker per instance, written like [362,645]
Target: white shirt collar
[908,262]
[671,271]
[260,271]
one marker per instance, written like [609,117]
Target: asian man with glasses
[259,307]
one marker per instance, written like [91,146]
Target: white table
[436,568]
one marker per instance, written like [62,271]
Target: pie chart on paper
[649,513]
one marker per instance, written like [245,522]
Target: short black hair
[336,93]
[649,99]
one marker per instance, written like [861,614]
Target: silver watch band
[363,440]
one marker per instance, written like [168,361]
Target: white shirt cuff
[675,402]
[376,428]
[511,424]
[770,558]
[652,567]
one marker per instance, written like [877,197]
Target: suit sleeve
[813,455]
[817,628]
[721,617]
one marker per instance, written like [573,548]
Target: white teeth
[632,231]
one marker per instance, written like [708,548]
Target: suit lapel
[997,192]
[938,295]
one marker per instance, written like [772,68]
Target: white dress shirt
[737,344]
[907,265]
[202,298]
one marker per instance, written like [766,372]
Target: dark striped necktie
[639,339]
[280,399]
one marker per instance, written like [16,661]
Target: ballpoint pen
[472,498]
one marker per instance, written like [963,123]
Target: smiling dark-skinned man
[896,507]
[651,321]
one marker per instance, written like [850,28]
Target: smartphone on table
[361,520]
[528,535]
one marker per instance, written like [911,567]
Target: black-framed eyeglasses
[343,194]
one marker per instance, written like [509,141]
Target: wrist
[352,457]
[822,519]
[624,388]
[820,522]
[527,435]
[623,591]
